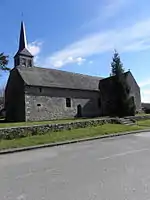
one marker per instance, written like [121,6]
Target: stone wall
[14,97]
[50,103]
[134,91]
[24,131]
[108,94]
[19,132]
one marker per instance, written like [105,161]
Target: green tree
[124,104]
[4,62]
[116,65]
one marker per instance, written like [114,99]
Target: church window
[40,89]
[68,102]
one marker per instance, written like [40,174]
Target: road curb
[15,150]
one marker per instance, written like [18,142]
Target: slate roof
[112,77]
[24,52]
[109,79]
[37,76]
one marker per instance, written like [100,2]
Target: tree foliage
[3,62]
[125,105]
[116,65]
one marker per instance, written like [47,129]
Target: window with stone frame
[68,102]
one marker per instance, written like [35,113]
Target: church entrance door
[79,111]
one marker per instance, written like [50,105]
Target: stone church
[36,93]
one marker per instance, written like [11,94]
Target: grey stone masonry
[50,103]
[109,95]
[14,98]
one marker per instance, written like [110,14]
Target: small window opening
[68,102]
[24,62]
[40,89]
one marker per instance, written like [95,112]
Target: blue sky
[80,35]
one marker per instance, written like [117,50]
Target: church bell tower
[23,57]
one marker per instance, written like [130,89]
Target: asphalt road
[108,169]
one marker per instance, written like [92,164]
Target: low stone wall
[19,132]
[23,131]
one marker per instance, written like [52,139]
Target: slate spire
[22,40]
[23,57]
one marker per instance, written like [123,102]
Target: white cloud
[56,62]
[80,60]
[112,7]
[107,10]
[91,62]
[145,90]
[132,38]
[35,49]
[145,95]
[144,83]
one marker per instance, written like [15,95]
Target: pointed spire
[23,49]
[23,40]
[23,57]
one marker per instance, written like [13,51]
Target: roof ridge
[58,78]
[110,77]
[68,72]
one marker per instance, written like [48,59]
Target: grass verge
[145,123]
[142,114]
[18,124]
[66,135]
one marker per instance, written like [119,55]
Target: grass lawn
[5,125]
[66,135]
[142,114]
[145,123]
[13,124]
